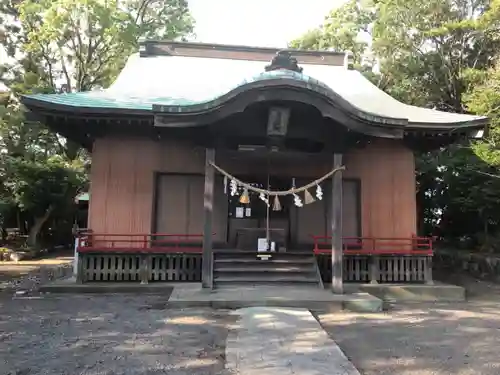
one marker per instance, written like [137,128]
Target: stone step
[236,254]
[264,279]
[235,267]
[265,266]
[256,269]
[257,274]
[297,261]
[236,251]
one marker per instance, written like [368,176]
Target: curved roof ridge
[185,81]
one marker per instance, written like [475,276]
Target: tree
[342,31]
[85,43]
[37,178]
[435,44]
[424,49]
[436,54]
[63,46]
[42,188]
[484,98]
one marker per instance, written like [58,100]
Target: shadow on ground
[130,334]
[425,338]
[111,335]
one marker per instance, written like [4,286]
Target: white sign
[239,212]
[262,244]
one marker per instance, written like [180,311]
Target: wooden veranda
[178,257]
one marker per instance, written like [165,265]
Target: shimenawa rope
[277,193]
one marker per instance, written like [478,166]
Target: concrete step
[236,254]
[259,275]
[260,270]
[272,261]
[236,251]
[264,279]
[234,267]
[268,266]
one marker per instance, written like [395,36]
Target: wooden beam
[336,222]
[208,208]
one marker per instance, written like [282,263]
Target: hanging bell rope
[276,193]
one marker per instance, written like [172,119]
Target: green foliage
[484,98]
[341,30]
[86,43]
[433,44]
[38,186]
[54,46]
[459,197]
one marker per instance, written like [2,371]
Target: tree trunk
[18,218]
[37,227]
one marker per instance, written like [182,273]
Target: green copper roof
[180,84]
[101,99]
[109,99]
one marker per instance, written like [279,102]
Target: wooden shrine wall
[124,171]
[123,181]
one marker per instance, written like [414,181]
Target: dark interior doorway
[248,222]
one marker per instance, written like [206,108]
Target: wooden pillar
[428,271]
[208,205]
[144,268]
[80,277]
[336,222]
[374,269]
[75,255]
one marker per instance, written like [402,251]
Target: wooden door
[351,211]
[315,218]
[179,205]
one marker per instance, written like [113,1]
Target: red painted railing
[192,243]
[376,246]
[151,243]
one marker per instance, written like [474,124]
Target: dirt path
[112,335]
[120,335]
[27,274]
[425,339]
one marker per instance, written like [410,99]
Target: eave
[159,86]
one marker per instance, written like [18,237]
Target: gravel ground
[110,335]
[424,339]
[120,334]
[26,276]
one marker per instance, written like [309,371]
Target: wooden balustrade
[139,257]
[131,243]
[376,246]
[178,257]
[369,259]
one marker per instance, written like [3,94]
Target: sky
[262,23]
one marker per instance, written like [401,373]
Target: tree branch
[49,64]
[141,11]
[65,71]
[487,174]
